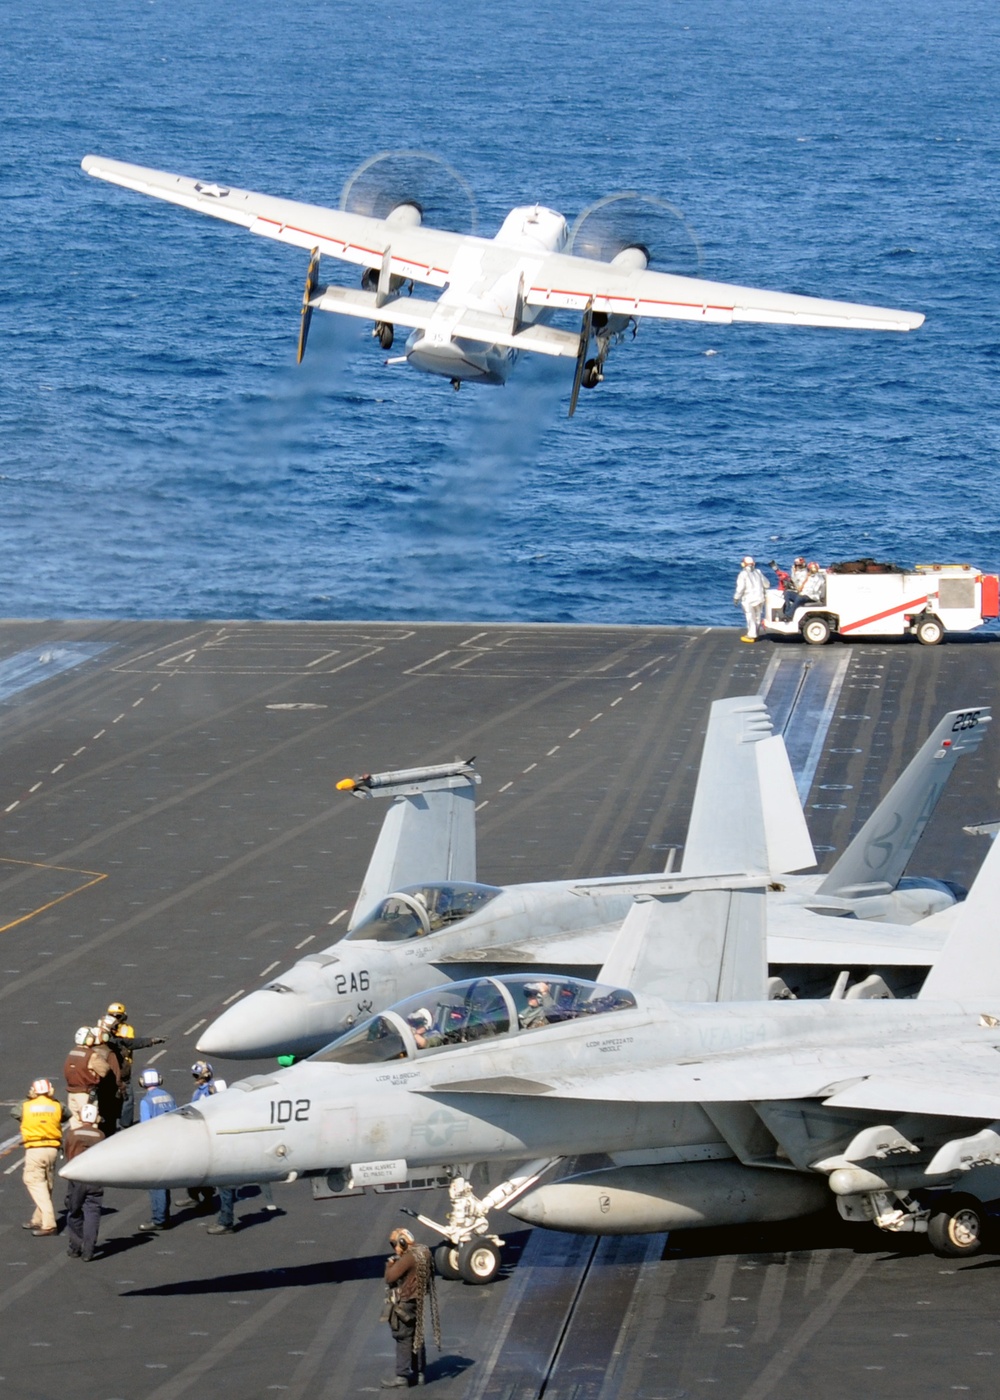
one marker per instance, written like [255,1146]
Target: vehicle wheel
[816,630]
[385,335]
[446,1261]
[478,1261]
[592,375]
[930,631]
[956,1227]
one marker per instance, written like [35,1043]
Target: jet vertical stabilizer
[746,813]
[429,832]
[880,851]
[968,967]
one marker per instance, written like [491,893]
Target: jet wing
[588,948]
[945,1087]
[417,254]
[797,936]
[569,283]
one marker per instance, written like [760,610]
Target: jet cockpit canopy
[462,1012]
[417,910]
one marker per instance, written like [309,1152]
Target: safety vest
[41,1122]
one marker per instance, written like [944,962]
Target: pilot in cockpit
[540,1004]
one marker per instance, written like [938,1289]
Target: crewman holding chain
[409,1276]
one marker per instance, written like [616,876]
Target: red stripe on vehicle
[889,612]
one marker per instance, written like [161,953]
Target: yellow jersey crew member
[41,1116]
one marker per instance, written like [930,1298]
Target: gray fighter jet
[421,916]
[710,1100]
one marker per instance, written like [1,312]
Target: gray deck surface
[170,836]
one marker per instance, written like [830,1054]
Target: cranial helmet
[88,1113]
[149,1078]
[40,1086]
[747,561]
[201,1069]
[117,1011]
[84,1036]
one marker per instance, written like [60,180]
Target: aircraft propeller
[312,282]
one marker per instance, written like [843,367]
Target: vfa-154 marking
[497,297]
[422,917]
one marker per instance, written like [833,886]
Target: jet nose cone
[264,1023]
[173,1150]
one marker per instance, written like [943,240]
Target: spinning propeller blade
[312,282]
[588,317]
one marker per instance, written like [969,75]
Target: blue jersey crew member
[155,1101]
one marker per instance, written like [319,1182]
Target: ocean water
[161,455]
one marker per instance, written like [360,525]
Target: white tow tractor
[877,600]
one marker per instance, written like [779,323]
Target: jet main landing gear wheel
[446,1261]
[478,1261]
[956,1227]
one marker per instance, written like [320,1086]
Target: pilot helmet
[421,1018]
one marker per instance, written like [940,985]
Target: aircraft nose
[263,1023]
[173,1150]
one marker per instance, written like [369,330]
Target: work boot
[183,1203]
[394,1382]
[221,1230]
[149,1227]
[50,1230]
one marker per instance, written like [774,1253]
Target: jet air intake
[681,1196]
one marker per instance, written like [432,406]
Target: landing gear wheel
[592,375]
[930,631]
[816,631]
[385,334]
[446,1261]
[956,1227]
[478,1261]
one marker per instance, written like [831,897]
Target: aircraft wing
[570,283]
[586,948]
[795,935]
[417,254]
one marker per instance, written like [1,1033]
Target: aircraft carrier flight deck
[171,837]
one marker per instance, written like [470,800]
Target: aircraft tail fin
[746,813]
[880,851]
[429,832]
[968,966]
[710,945]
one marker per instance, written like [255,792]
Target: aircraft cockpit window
[547,1001]
[421,909]
[373,1043]
[457,1014]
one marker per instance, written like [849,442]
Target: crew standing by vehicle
[83,1201]
[409,1275]
[156,1101]
[41,1116]
[750,592]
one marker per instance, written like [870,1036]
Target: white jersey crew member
[750,591]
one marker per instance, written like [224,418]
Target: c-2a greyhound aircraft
[421,916]
[715,1105]
[497,295]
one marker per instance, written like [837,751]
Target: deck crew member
[750,592]
[83,1200]
[41,1116]
[124,1042]
[813,590]
[108,1090]
[80,1075]
[155,1101]
[409,1276]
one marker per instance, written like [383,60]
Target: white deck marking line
[639,669]
[325,657]
[616,702]
[473,656]
[196,1025]
[9,1142]
[529,767]
[335,920]
[77,752]
[117,718]
[13,805]
[270,968]
[138,702]
[480,805]
[173,660]
[99,733]
[305,941]
[58,767]
[153,1058]
[555,749]
[231,999]
[574,734]
[506,786]
[636,686]
[191,1376]
[35,788]
[9,1171]
[429,662]
[156,686]
[469,640]
[597,716]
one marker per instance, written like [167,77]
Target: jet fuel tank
[679,1196]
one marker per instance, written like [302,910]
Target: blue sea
[161,455]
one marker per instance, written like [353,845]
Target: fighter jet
[421,916]
[727,1106]
[498,295]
